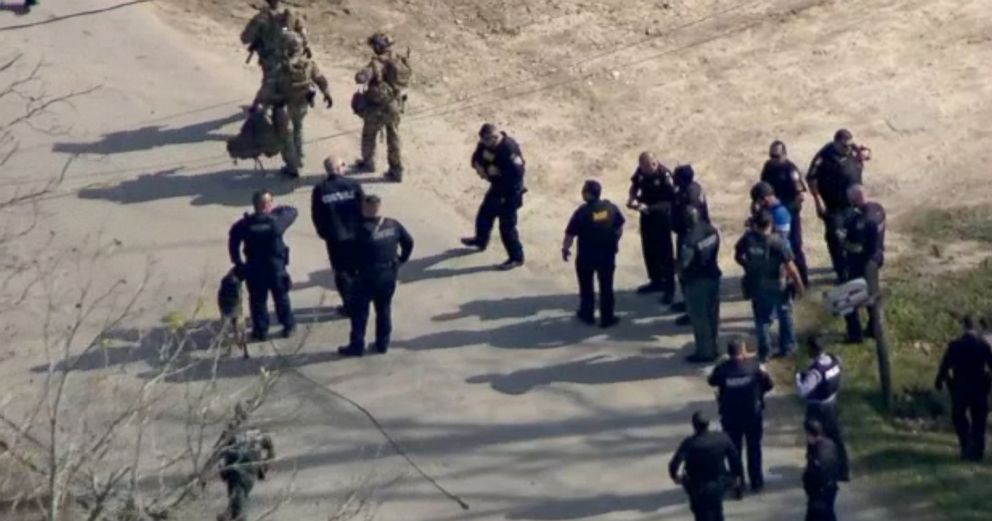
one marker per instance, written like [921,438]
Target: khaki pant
[375,121]
[292,140]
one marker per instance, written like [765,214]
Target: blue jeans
[764,307]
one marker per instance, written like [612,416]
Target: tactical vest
[263,246]
[294,80]
[705,262]
[600,234]
[740,394]
[762,273]
[829,379]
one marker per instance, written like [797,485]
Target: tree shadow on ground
[227,187]
[592,506]
[149,137]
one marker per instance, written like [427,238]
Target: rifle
[252,48]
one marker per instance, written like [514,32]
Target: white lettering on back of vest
[338,197]
[739,381]
[832,373]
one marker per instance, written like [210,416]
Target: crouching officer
[706,456]
[741,385]
[863,242]
[336,211]
[598,224]
[821,474]
[819,386]
[498,160]
[699,275]
[265,259]
[965,368]
[382,245]
[244,458]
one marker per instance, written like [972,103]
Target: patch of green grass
[917,461]
[967,223]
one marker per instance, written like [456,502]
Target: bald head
[856,195]
[334,166]
[647,162]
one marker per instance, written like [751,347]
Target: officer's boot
[394,174]
[352,351]
[363,167]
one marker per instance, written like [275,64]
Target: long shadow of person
[227,187]
[149,137]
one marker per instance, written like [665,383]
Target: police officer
[965,368]
[652,193]
[863,240]
[835,168]
[699,275]
[498,160]
[382,245]
[706,456]
[265,259]
[336,210]
[598,224]
[687,193]
[741,385]
[821,474]
[819,386]
[765,257]
[788,186]
[243,458]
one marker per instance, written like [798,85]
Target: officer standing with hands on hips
[266,257]
[498,160]
[336,210]
[598,225]
[819,386]
[741,385]
[966,368]
[652,194]
[699,275]
[706,455]
[382,246]
[822,473]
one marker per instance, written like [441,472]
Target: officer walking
[819,386]
[243,459]
[688,193]
[788,186]
[265,259]
[741,385]
[652,194]
[835,168]
[821,474]
[706,456]
[383,101]
[965,368]
[765,257]
[863,241]
[598,224]
[336,210]
[382,246]
[265,34]
[699,275]
[498,160]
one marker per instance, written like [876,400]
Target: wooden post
[882,351]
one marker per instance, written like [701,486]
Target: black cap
[684,174]
[843,135]
[593,188]
[762,190]
[487,130]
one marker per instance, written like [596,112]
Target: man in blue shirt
[763,195]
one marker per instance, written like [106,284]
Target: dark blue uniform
[742,386]
[698,257]
[688,193]
[834,172]
[966,367]
[863,240]
[706,456]
[820,480]
[383,244]
[819,387]
[504,168]
[335,207]
[783,176]
[598,226]
[656,190]
[264,266]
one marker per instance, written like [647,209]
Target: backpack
[398,72]
[256,138]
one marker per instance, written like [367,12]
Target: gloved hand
[565,254]
[328,102]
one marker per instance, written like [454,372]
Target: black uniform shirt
[261,234]
[699,252]
[966,365]
[382,243]
[742,386]
[598,226]
[822,467]
[834,173]
[864,234]
[335,207]
[654,189]
[706,456]
[503,166]
[784,178]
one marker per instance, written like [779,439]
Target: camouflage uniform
[385,104]
[243,459]
[264,34]
[287,91]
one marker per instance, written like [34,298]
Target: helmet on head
[293,43]
[380,41]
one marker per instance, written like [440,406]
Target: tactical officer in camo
[264,34]
[381,103]
[244,457]
[289,91]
